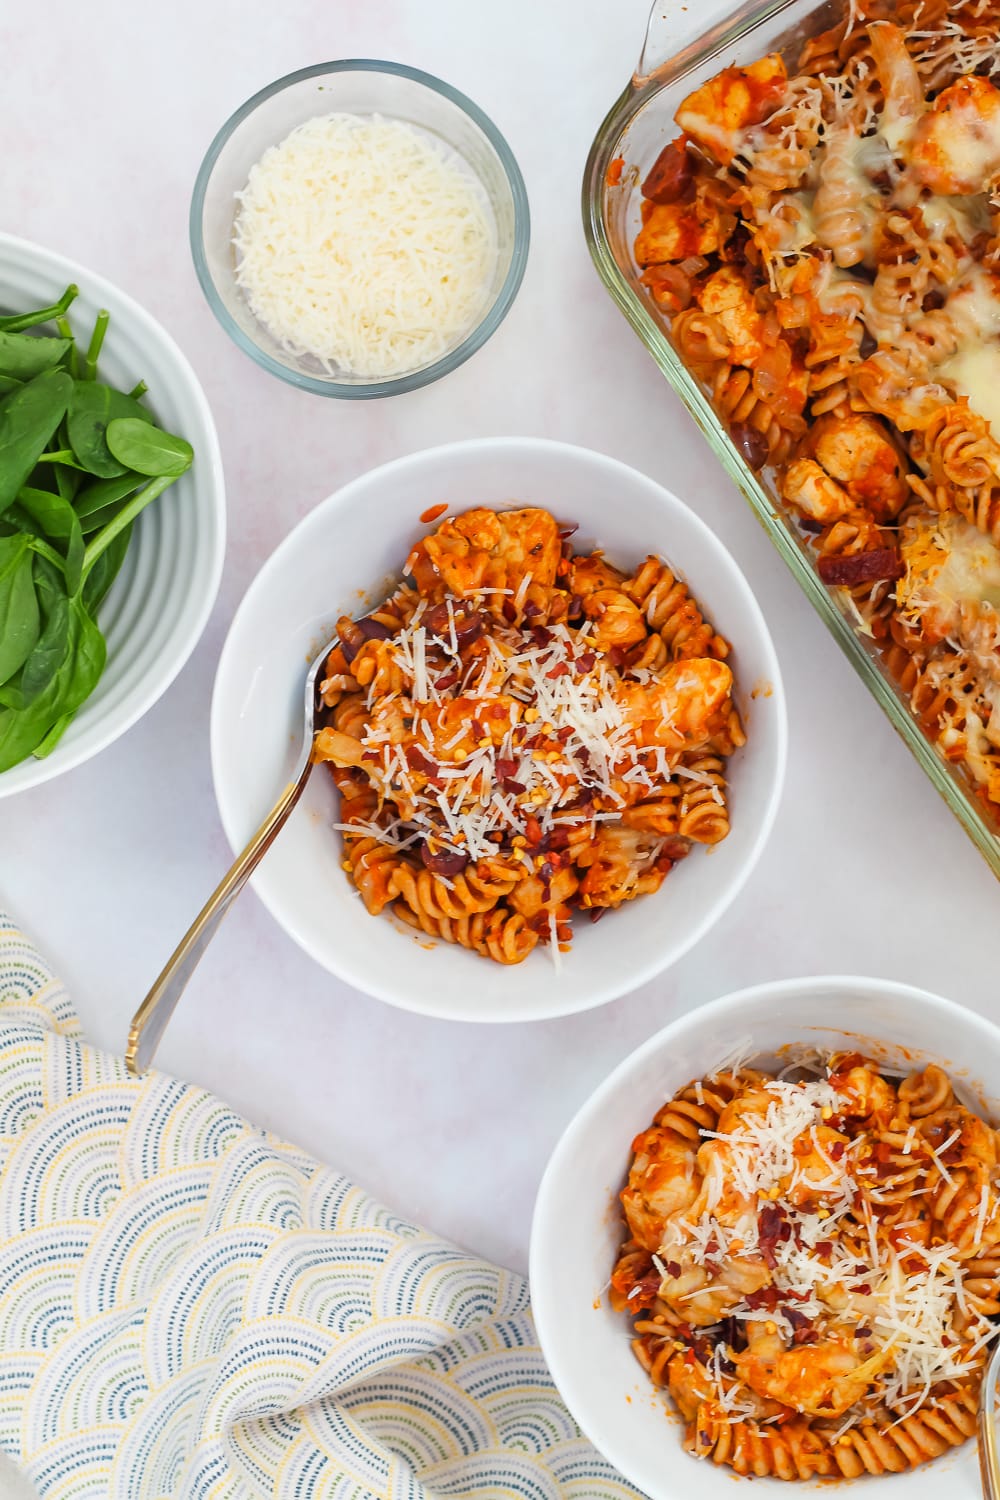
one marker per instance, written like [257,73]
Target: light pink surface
[105,112]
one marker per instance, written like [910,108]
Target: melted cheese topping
[952,576]
[975,372]
[361,242]
[959,146]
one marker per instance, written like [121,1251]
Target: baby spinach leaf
[23,356]
[50,649]
[105,570]
[48,744]
[19,617]
[147,449]
[23,730]
[92,406]
[60,523]
[100,493]
[28,418]
[8,383]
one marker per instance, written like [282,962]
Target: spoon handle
[150,1020]
[989,1468]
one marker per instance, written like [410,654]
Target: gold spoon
[150,1020]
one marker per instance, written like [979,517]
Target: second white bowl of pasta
[533,732]
[790,1272]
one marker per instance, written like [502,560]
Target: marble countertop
[105,114]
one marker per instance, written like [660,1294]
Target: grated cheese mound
[365,243]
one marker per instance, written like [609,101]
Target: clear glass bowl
[357,86]
[639,124]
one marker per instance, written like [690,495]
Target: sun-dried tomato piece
[862,567]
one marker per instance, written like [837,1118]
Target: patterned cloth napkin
[190,1308]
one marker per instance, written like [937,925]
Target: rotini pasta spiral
[498,934]
[704,816]
[811,1263]
[506,733]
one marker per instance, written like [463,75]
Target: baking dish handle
[677,34]
[671,24]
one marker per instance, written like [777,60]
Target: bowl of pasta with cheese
[550,735]
[770,1241]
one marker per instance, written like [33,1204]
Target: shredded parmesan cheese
[362,242]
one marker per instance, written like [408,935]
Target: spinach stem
[138,390]
[43,314]
[74,356]
[61,456]
[94,347]
[124,518]
[44,550]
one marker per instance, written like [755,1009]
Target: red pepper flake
[767,1297]
[564,734]
[836,1149]
[672,1268]
[432,513]
[418,760]
[517,787]
[597,912]
[505,767]
[866,1333]
[773,1228]
[509,611]
[615,655]
[864,1290]
[586,661]
[545,872]
[448,680]
[541,635]
[575,606]
[824,1247]
[531,609]
[561,669]
[532,829]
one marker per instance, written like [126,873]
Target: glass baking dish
[637,127]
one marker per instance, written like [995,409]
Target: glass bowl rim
[482,331]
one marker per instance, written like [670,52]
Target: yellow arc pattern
[191,1309]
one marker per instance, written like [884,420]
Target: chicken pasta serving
[826,246]
[813,1262]
[519,731]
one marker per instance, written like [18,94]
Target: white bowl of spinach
[112,513]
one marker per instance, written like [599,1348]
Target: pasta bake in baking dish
[521,730]
[813,1263]
[824,237]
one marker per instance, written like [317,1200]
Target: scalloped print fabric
[192,1309]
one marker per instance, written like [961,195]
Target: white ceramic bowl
[577,1226]
[356,541]
[160,601]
